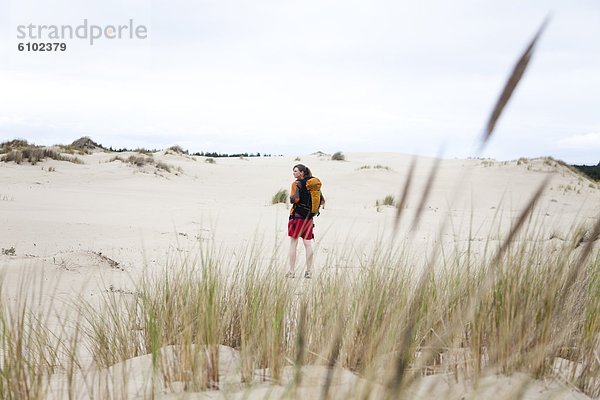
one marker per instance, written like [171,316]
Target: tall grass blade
[520,221]
[300,345]
[333,357]
[511,84]
[585,253]
[404,197]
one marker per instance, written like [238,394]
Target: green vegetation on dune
[19,151]
[592,171]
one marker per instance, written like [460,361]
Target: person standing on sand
[300,224]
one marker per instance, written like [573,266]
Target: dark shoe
[290,275]
[308,275]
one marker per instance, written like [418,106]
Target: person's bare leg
[309,255]
[292,255]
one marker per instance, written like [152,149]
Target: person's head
[301,171]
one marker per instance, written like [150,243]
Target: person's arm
[294,193]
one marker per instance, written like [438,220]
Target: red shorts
[300,227]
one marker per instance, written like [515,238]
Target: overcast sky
[295,77]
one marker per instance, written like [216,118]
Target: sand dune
[125,211]
[99,226]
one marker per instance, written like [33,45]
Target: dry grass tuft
[141,161]
[463,316]
[10,251]
[378,166]
[176,149]
[22,151]
[388,200]
[282,196]
[338,156]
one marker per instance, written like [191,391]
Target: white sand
[138,216]
[94,227]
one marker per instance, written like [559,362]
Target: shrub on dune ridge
[70,149]
[20,150]
[176,149]
[163,166]
[338,156]
[84,144]
[16,144]
[141,161]
[147,152]
[36,154]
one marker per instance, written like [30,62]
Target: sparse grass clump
[566,188]
[163,166]
[388,200]
[36,154]
[13,155]
[176,149]
[338,156]
[141,161]
[10,251]
[238,155]
[19,151]
[210,160]
[147,152]
[548,161]
[70,149]
[16,144]
[282,196]
[378,166]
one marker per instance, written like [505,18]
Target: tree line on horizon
[593,171]
[85,143]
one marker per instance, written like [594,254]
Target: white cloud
[585,141]
[380,76]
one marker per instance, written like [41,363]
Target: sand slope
[91,228]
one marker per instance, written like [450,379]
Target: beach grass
[524,310]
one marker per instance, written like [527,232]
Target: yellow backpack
[313,185]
